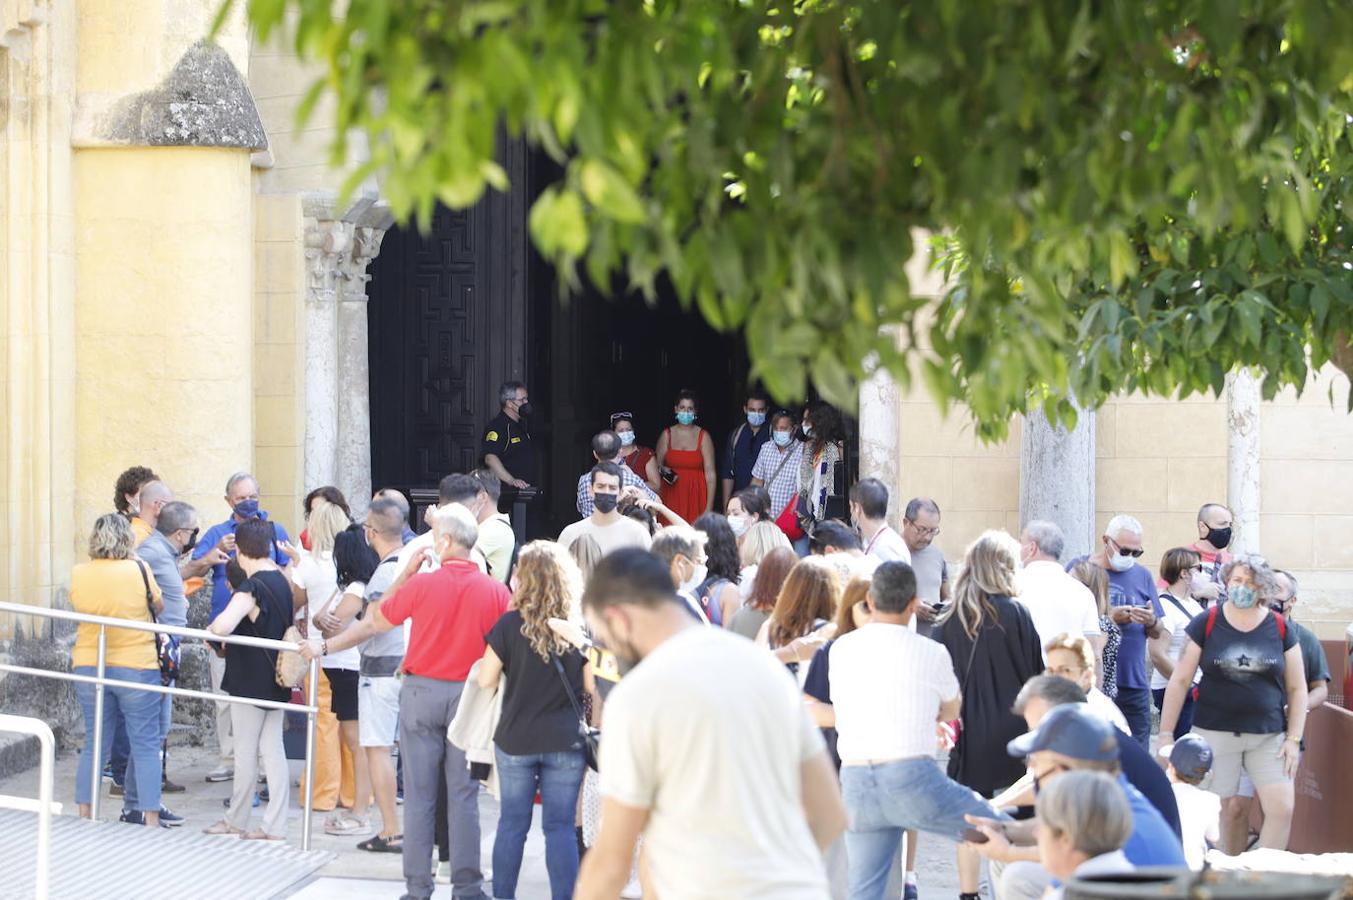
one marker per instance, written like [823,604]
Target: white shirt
[887,684]
[318,577]
[1058,603]
[887,546]
[1114,863]
[709,736]
[1199,812]
[1174,622]
[623,532]
[1101,705]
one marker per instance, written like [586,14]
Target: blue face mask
[685,417]
[626,438]
[246,509]
[1243,596]
[782,438]
[756,419]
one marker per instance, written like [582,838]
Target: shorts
[343,692]
[1254,754]
[377,710]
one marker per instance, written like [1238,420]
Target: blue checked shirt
[627,479]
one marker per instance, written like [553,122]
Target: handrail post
[312,688]
[46,767]
[97,762]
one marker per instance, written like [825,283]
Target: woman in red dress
[640,459]
[686,462]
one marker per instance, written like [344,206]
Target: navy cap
[1071,730]
[1191,756]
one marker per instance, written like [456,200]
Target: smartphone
[668,475]
[973,836]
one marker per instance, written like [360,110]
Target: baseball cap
[1191,756]
[1071,730]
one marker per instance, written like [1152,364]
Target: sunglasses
[616,417]
[1135,554]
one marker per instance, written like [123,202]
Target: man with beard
[743,799]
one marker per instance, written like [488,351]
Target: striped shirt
[786,483]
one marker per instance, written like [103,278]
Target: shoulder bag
[289,667]
[166,647]
[591,736]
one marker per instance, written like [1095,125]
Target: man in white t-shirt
[709,754]
[1058,603]
[607,527]
[869,512]
[889,690]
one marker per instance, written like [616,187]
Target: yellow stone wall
[164,322]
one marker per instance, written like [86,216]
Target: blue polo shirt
[1135,587]
[744,445]
[220,589]
[1151,843]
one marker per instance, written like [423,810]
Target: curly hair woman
[539,742]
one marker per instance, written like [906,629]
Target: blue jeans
[559,777]
[885,800]
[1135,704]
[141,711]
[1185,723]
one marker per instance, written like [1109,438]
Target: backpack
[708,595]
[1212,623]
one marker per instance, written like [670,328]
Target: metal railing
[44,805]
[100,681]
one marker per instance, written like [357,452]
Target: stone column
[353,474]
[327,243]
[879,434]
[1242,459]
[1057,477]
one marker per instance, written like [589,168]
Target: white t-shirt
[623,532]
[1107,709]
[709,736]
[1199,811]
[1174,622]
[887,684]
[1058,603]
[318,577]
[887,546]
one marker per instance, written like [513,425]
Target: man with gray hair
[920,527]
[1058,603]
[445,640]
[1135,609]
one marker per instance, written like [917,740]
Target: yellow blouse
[113,588]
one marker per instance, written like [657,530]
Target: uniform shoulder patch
[491,436]
[516,440]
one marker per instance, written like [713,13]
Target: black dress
[1007,654]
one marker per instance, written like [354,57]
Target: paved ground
[358,874]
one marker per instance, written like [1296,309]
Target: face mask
[526,409]
[605,503]
[626,438]
[739,524]
[756,419]
[685,418]
[1121,562]
[806,429]
[697,578]
[1219,537]
[782,438]
[246,509]
[1198,582]
[1243,596]
[192,542]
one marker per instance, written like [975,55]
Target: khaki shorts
[1256,754]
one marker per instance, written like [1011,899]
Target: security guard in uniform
[507,449]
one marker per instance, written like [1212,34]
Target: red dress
[689,496]
[638,462]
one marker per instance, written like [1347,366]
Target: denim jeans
[885,800]
[1185,723]
[141,711]
[558,777]
[1135,704]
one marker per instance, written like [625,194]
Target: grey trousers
[426,708]
[258,733]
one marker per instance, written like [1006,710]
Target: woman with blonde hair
[803,613]
[1097,580]
[759,540]
[995,649]
[539,743]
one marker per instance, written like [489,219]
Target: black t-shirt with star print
[1243,688]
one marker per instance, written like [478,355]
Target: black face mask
[525,409]
[1219,537]
[192,541]
[605,503]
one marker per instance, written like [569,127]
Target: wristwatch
[1294,738]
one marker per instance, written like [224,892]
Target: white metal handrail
[46,773]
[100,681]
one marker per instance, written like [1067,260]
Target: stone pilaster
[327,244]
[1243,459]
[1057,477]
[879,435]
[354,376]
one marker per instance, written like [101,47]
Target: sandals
[223,829]
[258,834]
[347,825]
[392,844]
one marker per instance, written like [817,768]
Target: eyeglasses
[1135,554]
[923,532]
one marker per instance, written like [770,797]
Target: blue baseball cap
[1071,730]
[1191,756]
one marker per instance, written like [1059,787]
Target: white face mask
[1121,562]
[739,524]
[1198,582]
[697,578]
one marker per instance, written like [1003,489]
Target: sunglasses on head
[616,417]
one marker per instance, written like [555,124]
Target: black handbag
[591,736]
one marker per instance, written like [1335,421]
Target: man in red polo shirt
[452,609]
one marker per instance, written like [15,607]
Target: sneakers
[909,892]
[221,773]
[169,818]
[257,800]
[136,817]
[169,787]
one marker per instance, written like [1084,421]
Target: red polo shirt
[453,610]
